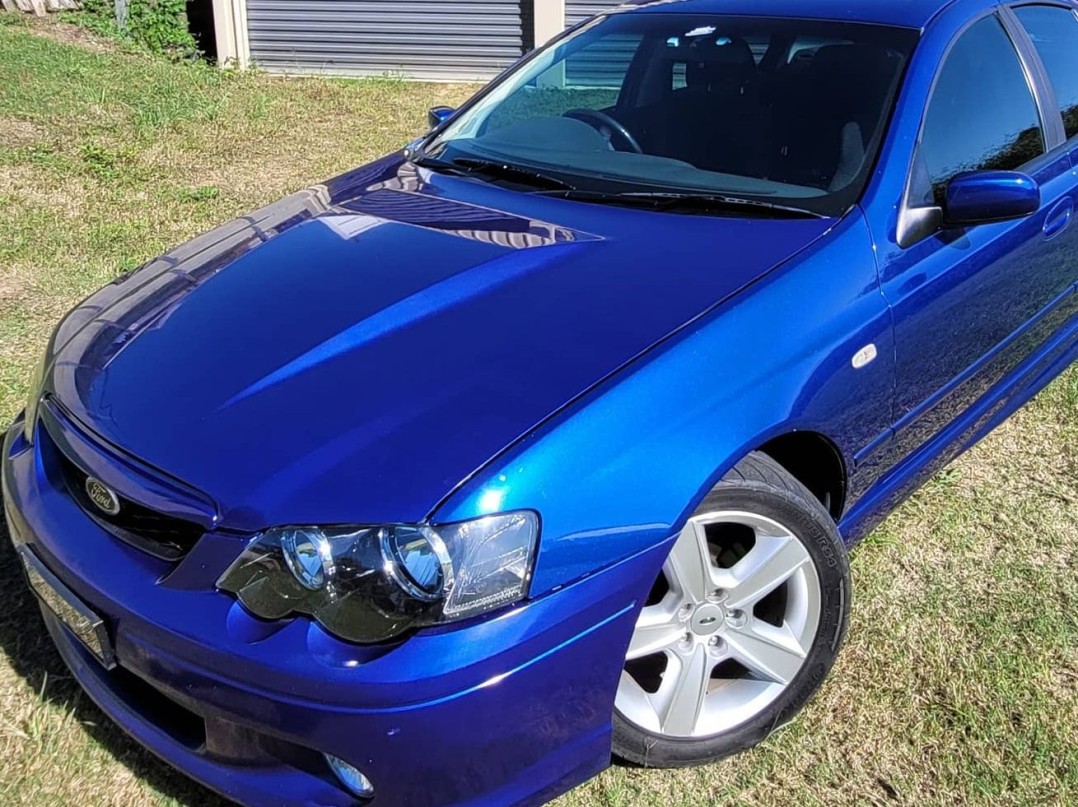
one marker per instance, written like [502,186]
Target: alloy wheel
[726,628]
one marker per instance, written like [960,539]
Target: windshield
[781,112]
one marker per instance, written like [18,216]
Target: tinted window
[982,115]
[1055,34]
[787,111]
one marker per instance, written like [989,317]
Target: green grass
[959,682]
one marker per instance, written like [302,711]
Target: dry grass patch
[15,133]
[68,34]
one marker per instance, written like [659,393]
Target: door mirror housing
[438,115]
[982,197]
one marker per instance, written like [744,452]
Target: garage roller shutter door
[575,12]
[462,40]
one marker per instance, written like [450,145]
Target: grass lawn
[959,683]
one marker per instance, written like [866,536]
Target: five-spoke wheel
[753,583]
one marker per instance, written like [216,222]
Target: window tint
[694,103]
[982,114]
[1055,34]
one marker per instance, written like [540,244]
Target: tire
[711,671]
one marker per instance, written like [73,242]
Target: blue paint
[399,345]
[987,197]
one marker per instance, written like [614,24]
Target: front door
[970,304]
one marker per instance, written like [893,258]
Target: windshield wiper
[470,166]
[689,202]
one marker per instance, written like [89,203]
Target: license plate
[87,626]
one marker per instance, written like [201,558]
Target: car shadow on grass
[25,642]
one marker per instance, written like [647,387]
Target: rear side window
[1054,32]
[982,115]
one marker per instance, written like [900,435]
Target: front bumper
[512,709]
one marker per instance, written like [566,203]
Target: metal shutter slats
[581,10]
[463,40]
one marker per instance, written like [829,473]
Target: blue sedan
[545,439]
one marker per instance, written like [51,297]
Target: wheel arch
[816,462]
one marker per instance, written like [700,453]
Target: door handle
[1059,218]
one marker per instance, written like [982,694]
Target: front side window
[982,115]
[1054,32]
[789,112]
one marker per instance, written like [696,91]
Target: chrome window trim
[914,224]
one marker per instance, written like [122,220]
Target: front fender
[622,468]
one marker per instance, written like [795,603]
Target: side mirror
[982,197]
[439,115]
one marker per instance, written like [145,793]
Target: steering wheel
[608,126]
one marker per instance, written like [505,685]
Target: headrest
[721,60]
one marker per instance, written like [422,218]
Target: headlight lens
[36,382]
[306,554]
[418,562]
[371,584]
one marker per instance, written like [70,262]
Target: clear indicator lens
[494,557]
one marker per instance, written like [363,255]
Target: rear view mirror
[439,115]
[982,197]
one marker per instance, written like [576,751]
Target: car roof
[905,13]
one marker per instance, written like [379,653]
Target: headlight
[371,584]
[32,403]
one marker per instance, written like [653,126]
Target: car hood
[355,351]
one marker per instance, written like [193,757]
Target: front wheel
[741,627]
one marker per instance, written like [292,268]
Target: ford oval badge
[103,497]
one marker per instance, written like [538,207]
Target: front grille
[160,535]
